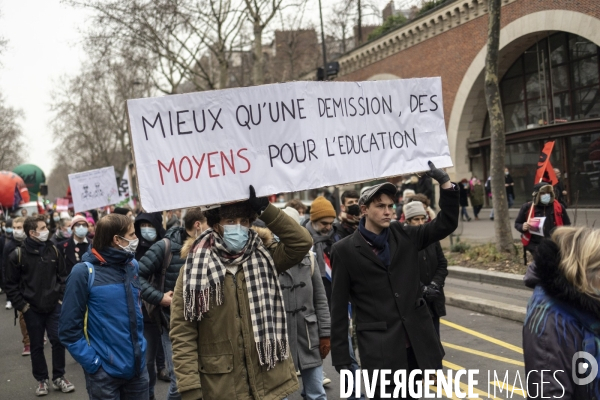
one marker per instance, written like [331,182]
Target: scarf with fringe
[205,270]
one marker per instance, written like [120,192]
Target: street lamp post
[323,43]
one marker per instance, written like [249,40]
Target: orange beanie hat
[321,208]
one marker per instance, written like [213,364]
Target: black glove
[339,368]
[258,204]
[431,292]
[437,174]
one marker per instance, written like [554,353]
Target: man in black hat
[376,268]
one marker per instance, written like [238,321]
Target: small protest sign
[62,204]
[536,225]
[206,148]
[125,191]
[93,189]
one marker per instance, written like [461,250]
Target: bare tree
[341,20]
[296,47]
[223,20]
[11,137]
[260,14]
[504,240]
[90,121]
[176,34]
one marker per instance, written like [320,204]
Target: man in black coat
[377,269]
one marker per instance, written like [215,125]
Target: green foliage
[429,5]
[460,247]
[389,24]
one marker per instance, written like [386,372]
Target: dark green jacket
[219,351]
[151,264]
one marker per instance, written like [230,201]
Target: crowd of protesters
[238,301]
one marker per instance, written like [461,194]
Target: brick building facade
[549,41]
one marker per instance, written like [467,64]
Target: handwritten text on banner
[207,147]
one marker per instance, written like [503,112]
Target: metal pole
[323,43]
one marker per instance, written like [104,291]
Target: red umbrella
[12,190]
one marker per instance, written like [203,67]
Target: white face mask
[19,234]
[132,246]
[545,198]
[43,236]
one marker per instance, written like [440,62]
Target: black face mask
[353,210]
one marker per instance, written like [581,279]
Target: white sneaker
[63,385]
[8,305]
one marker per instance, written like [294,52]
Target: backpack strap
[91,277]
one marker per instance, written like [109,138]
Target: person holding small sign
[228,319]
[542,212]
[377,267]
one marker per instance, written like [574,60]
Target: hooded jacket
[151,264]
[115,328]
[541,210]
[155,219]
[36,276]
[560,321]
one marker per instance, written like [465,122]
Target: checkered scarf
[205,270]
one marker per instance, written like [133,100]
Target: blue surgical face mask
[81,231]
[67,233]
[303,218]
[148,233]
[545,198]
[9,230]
[56,218]
[235,237]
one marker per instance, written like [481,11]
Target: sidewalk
[494,293]
[482,231]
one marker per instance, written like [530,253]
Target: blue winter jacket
[115,326]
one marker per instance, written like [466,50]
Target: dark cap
[387,188]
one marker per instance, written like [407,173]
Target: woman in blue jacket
[101,322]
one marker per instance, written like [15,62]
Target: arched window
[554,81]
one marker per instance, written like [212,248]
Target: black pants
[37,324]
[476,210]
[412,364]
[155,355]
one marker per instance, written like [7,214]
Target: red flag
[545,172]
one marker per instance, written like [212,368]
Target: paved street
[471,341]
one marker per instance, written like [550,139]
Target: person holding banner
[537,218]
[228,320]
[378,268]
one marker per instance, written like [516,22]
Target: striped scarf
[205,271]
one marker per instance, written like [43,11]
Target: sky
[44,44]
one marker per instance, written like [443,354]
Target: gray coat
[307,313]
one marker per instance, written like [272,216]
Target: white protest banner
[94,188]
[207,147]
[125,191]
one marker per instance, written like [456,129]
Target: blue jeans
[168,348]
[511,200]
[312,383]
[101,386]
